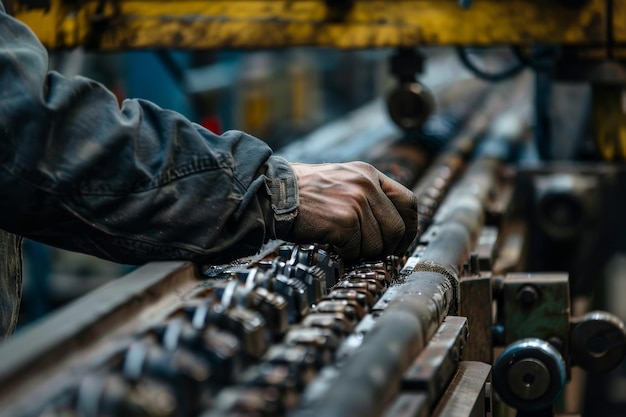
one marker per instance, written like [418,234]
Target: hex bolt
[527,295]
[497,334]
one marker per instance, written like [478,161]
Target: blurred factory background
[316,104]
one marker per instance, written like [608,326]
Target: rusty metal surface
[476,302]
[536,305]
[466,395]
[123,24]
[408,405]
[433,369]
[370,377]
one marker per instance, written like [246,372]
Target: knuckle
[365,167]
[347,219]
[360,199]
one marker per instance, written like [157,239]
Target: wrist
[281,186]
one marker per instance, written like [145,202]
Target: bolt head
[527,295]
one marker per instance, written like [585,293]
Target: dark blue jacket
[130,184]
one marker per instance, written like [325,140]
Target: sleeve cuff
[282,187]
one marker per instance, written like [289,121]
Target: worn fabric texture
[130,183]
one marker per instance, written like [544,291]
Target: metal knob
[529,375]
[410,104]
[598,342]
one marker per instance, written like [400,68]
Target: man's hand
[355,208]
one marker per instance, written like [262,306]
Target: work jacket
[131,183]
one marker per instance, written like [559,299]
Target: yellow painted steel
[609,121]
[127,24]
[619,21]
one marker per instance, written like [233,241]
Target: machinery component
[363,299]
[304,358]
[314,279]
[529,375]
[295,260]
[437,364]
[428,377]
[410,103]
[464,56]
[536,305]
[300,269]
[287,380]
[186,374]
[325,341]
[272,306]
[408,405]
[295,292]
[479,290]
[261,401]
[468,394]
[350,309]
[110,394]
[380,279]
[362,287]
[337,322]
[220,348]
[357,390]
[566,204]
[598,342]
[248,325]
[407,159]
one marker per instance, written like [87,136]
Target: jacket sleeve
[131,184]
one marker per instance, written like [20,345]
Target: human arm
[140,183]
[129,184]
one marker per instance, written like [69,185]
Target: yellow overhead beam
[619,22]
[131,24]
